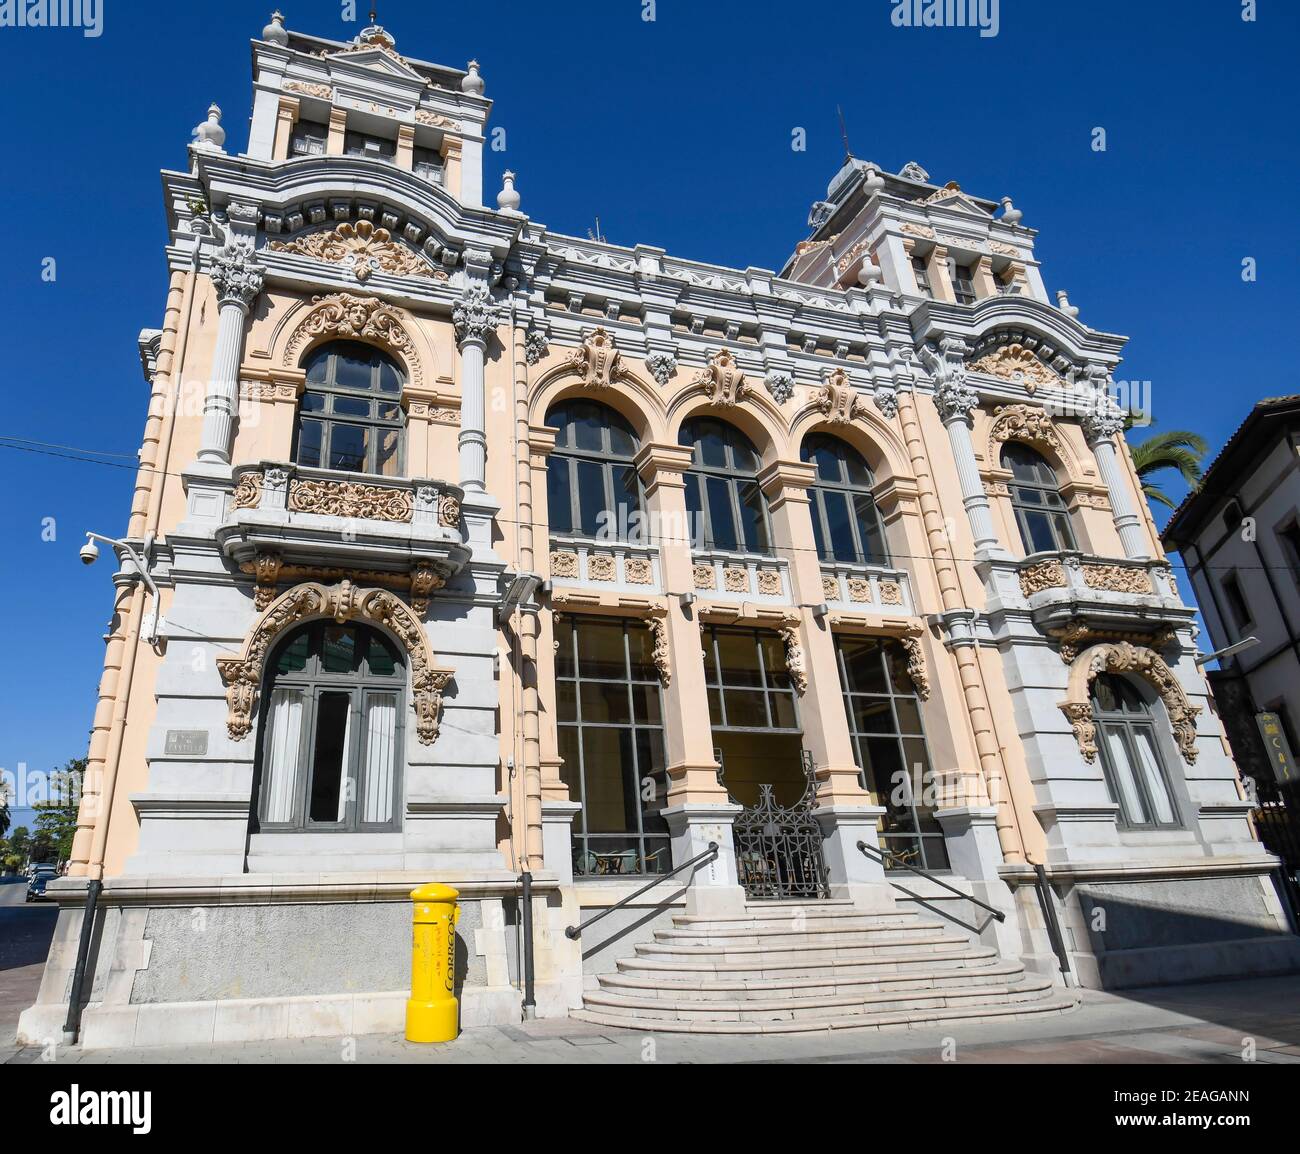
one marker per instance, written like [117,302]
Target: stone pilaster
[1101,426]
[476,317]
[238,280]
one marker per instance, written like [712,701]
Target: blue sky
[675,133]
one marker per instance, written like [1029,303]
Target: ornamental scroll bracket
[723,380]
[242,675]
[1138,661]
[1024,423]
[795,662]
[597,361]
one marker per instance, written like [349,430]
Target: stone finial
[1010,213]
[873,182]
[472,82]
[870,273]
[1063,303]
[508,197]
[210,134]
[274,32]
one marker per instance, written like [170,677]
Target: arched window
[1130,754]
[350,416]
[846,524]
[722,492]
[590,476]
[1035,496]
[330,751]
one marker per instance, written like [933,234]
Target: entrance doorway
[759,747]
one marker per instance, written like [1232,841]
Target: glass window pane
[566,700]
[1149,765]
[352,372]
[380,732]
[873,539]
[715,708]
[1041,537]
[738,653]
[600,651]
[827,461]
[909,715]
[784,713]
[558,495]
[605,702]
[819,535]
[873,715]
[1130,802]
[627,492]
[348,448]
[318,370]
[611,803]
[695,511]
[621,441]
[570,770]
[754,510]
[564,648]
[839,522]
[746,709]
[282,751]
[293,657]
[338,649]
[640,644]
[712,447]
[312,403]
[646,704]
[588,428]
[722,522]
[864,665]
[381,658]
[386,455]
[351,406]
[390,380]
[309,441]
[591,497]
[328,800]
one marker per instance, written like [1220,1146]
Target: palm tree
[1177,449]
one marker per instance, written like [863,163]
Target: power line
[90,457]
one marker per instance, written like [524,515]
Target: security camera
[89,553]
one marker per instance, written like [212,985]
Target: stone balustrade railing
[877,588]
[605,565]
[721,575]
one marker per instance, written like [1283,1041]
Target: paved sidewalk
[1216,1023]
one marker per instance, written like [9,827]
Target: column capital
[1102,421]
[953,397]
[236,275]
[475,314]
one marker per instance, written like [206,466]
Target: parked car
[36,887]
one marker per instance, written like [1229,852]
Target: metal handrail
[573,933]
[885,856]
[1044,890]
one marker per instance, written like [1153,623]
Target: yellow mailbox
[432,1012]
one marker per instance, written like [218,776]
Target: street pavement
[25,933]
[1224,1022]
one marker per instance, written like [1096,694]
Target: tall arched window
[592,486]
[1036,497]
[350,416]
[1130,754]
[330,750]
[846,524]
[722,492]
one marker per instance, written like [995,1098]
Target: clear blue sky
[675,133]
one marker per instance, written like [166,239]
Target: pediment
[954,199]
[377,58]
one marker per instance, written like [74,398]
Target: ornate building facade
[492,553]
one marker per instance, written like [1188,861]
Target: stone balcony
[721,575]
[606,566]
[867,589]
[283,517]
[1070,589]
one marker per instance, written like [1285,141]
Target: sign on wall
[1279,749]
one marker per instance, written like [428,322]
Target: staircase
[792,968]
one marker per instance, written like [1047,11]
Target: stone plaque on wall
[187,742]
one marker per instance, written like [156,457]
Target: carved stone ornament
[830,589]
[1138,661]
[564,564]
[769,583]
[248,493]
[638,571]
[343,602]
[886,400]
[723,381]
[1022,423]
[1117,579]
[350,499]
[735,579]
[1044,575]
[597,361]
[1016,363]
[1103,419]
[837,399]
[425,578]
[916,666]
[662,366]
[266,569]
[357,318]
[780,385]
[795,664]
[475,314]
[601,567]
[320,91]
[1078,634]
[536,345]
[891,593]
[449,511]
[657,623]
[703,577]
[236,276]
[954,399]
[361,248]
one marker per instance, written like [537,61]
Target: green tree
[19,841]
[1178,449]
[56,819]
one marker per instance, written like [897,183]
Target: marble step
[759,968]
[895,1019]
[693,988]
[853,947]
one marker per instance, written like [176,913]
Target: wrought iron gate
[779,847]
[1277,819]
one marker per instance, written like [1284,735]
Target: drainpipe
[94,867]
[528,631]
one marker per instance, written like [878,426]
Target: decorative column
[955,401]
[476,317]
[1101,425]
[238,278]
[699,810]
